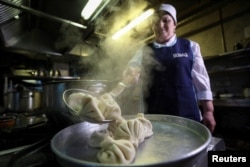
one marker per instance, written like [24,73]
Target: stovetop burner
[11,122]
[25,139]
[22,128]
[28,146]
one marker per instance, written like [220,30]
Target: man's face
[164,27]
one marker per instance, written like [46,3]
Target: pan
[176,142]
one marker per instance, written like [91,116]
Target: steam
[69,37]
[109,61]
[110,56]
[120,51]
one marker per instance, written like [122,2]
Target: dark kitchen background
[45,41]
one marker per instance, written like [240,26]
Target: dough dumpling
[116,151]
[135,130]
[75,101]
[99,108]
[131,130]
[86,106]
[147,125]
[110,109]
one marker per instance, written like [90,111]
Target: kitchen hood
[43,26]
[56,27]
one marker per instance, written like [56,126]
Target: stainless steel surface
[232,102]
[76,113]
[42,14]
[43,23]
[22,121]
[176,142]
[9,13]
[44,78]
[216,144]
[28,100]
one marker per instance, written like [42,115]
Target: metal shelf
[42,78]
[239,68]
[232,102]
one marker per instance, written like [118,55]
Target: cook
[178,77]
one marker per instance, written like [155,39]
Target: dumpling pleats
[116,151]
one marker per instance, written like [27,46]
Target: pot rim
[23,91]
[80,80]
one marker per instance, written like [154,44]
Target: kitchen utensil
[23,100]
[54,73]
[56,110]
[22,72]
[176,142]
[66,99]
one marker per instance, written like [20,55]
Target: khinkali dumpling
[85,105]
[109,107]
[112,126]
[131,130]
[147,125]
[116,151]
[99,108]
[75,101]
[121,140]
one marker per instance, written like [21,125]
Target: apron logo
[176,55]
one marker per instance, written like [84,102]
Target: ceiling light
[89,8]
[133,23]
[16,17]
[99,11]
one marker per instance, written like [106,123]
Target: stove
[25,139]
[30,149]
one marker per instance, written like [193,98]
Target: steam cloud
[111,56]
[120,51]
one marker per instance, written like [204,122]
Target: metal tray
[176,142]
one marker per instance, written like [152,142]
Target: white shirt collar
[171,42]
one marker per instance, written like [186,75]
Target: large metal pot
[23,101]
[53,105]
[176,142]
